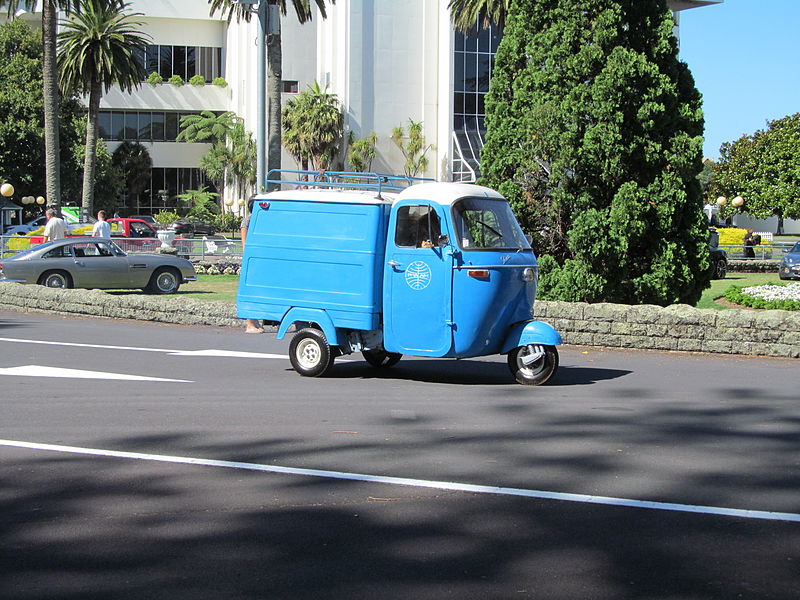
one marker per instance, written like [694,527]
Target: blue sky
[744,58]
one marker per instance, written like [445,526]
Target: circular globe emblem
[418,275]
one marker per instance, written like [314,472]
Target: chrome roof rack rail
[344,180]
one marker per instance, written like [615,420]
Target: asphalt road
[154,461]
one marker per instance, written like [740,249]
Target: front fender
[531,332]
[308,315]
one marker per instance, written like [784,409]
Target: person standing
[55,228]
[749,242]
[101,227]
[252,325]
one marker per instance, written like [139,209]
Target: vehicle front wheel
[381,359]
[56,279]
[164,281]
[721,269]
[533,364]
[310,353]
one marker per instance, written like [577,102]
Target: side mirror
[444,240]
[529,237]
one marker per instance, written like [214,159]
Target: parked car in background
[717,256]
[146,218]
[25,228]
[790,263]
[191,226]
[95,263]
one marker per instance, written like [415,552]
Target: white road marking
[422,483]
[210,352]
[44,371]
[225,354]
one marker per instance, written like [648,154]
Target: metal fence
[202,248]
[764,251]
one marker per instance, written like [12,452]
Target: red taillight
[478,273]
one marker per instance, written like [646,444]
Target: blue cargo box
[305,250]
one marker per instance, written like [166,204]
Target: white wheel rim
[308,353]
[166,281]
[533,368]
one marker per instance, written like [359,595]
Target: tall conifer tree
[594,132]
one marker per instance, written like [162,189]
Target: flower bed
[772,296]
[205,267]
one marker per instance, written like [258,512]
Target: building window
[140,126]
[186,61]
[165,184]
[472,71]
[289,87]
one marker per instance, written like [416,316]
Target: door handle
[394,264]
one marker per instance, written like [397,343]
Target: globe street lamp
[6,206]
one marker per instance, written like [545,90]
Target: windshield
[487,224]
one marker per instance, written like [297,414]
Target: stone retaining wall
[679,327]
[134,305]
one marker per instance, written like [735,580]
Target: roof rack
[378,182]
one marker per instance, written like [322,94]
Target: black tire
[310,353]
[164,280]
[720,269]
[537,372]
[381,359]
[56,279]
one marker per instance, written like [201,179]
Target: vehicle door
[144,236]
[417,286]
[97,265]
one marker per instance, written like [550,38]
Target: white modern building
[387,62]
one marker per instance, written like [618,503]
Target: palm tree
[465,13]
[231,159]
[303,10]
[312,127]
[50,85]
[98,48]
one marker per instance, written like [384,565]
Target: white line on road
[43,371]
[423,483]
[210,352]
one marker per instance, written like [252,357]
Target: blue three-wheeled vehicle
[387,266]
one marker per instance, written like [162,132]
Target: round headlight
[529,275]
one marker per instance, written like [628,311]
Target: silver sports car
[95,263]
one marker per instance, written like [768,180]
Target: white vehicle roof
[439,192]
[447,193]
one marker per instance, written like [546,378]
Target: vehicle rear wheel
[721,269]
[56,279]
[310,353]
[533,364]
[381,359]
[164,281]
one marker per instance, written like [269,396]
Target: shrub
[154,78]
[165,217]
[220,81]
[227,221]
[176,80]
[197,80]
[731,235]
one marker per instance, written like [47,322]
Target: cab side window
[417,227]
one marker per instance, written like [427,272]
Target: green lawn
[217,288]
[222,288]
[719,286]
